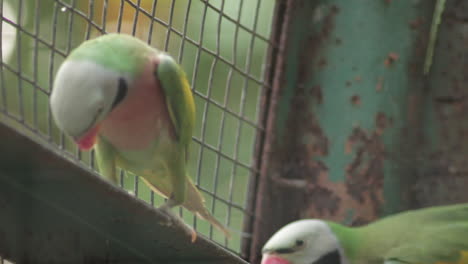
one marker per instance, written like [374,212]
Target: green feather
[426,236]
[178,99]
[119,52]
[105,159]
[349,236]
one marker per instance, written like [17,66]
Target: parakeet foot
[167,214]
[173,219]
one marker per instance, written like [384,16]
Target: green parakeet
[134,105]
[436,235]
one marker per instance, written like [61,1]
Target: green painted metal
[341,131]
[54,211]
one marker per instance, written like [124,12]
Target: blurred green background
[221,45]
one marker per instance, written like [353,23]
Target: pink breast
[141,117]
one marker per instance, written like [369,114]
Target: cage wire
[222,45]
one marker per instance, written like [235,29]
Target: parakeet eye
[284,250]
[299,243]
[121,92]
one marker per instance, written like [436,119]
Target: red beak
[87,141]
[272,259]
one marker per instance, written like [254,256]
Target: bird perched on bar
[436,235]
[134,105]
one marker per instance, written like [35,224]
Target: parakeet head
[303,242]
[94,80]
[84,93]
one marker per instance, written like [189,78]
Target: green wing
[105,158]
[179,98]
[181,108]
[438,235]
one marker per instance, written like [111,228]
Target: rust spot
[302,121]
[358,78]
[381,123]
[414,69]
[379,85]
[362,190]
[329,22]
[299,155]
[392,57]
[327,202]
[322,63]
[356,100]
[316,92]
[318,145]
[335,10]
[335,201]
[348,147]
[388,1]
[416,23]
[365,173]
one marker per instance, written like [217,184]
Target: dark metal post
[442,168]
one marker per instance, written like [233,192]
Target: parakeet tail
[194,202]
[210,218]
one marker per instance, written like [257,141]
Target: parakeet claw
[191,232]
[167,214]
[172,219]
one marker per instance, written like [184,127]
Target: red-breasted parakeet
[436,235]
[134,105]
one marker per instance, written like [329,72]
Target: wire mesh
[220,44]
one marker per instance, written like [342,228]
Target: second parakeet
[134,105]
[436,235]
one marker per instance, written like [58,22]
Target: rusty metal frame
[269,100]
